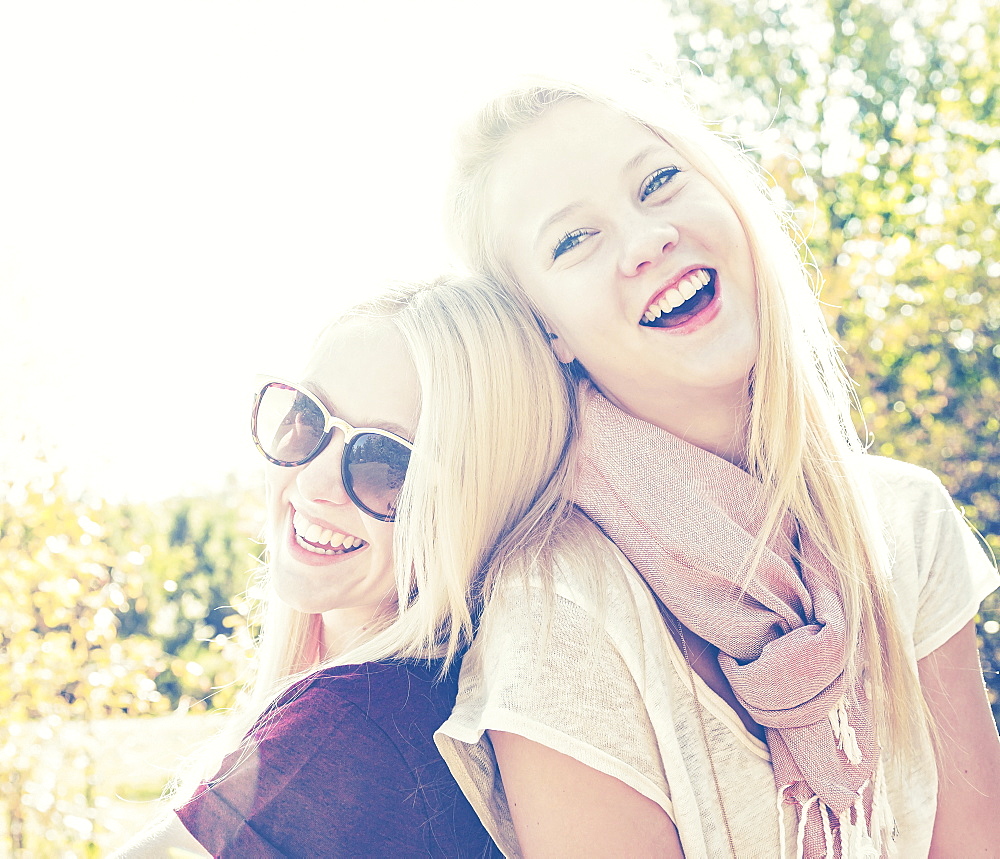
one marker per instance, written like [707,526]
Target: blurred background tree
[105,611]
[190,591]
[879,124]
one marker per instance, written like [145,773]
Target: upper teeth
[319,535]
[677,295]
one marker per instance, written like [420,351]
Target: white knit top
[601,680]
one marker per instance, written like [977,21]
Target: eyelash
[570,241]
[661,176]
[649,187]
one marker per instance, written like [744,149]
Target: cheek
[386,552]
[548,301]
[533,288]
[276,480]
[384,532]
[725,224]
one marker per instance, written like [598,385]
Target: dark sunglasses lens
[287,424]
[374,469]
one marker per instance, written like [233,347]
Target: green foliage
[63,662]
[891,112]
[106,611]
[878,123]
[189,591]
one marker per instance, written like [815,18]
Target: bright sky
[188,190]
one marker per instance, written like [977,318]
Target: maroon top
[345,766]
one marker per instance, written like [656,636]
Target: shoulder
[372,684]
[894,479]
[391,697]
[940,568]
[578,562]
[364,730]
[571,655]
[343,764]
[916,507]
[913,504]
[577,587]
[894,472]
[557,622]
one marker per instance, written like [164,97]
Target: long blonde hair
[802,443]
[485,478]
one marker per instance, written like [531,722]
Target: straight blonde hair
[802,443]
[486,479]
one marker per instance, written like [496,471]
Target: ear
[561,350]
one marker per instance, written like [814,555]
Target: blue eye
[570,241]
[656,180]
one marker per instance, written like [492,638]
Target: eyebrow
[395,429]
[558,216]
[368,423]
[627,168]
[641,156]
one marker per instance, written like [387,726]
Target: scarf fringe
[800,844]
[883,821]
[845,735]
[781,820]
[857,839]
[825,813]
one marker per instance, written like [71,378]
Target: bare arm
[967,823]
[168,838]
[561,807]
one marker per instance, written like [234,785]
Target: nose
[647,240]
[320,479]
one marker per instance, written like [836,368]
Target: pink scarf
[687,520]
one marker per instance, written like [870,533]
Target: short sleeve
[941,570]
[559,670]
[956,576]
[320,780]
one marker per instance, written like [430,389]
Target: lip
[307,556]
[702,317]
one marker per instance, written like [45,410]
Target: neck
[344,629]
[725,435]
[718,424]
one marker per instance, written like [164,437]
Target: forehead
[363,370]
[579,128]
[570,155]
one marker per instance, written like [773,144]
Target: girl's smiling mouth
[323,541]
[683,301]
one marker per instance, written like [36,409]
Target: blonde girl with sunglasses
[372,581]
[796,673]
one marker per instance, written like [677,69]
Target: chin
[295,587]
[298,600]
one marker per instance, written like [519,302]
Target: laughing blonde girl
[804,621]
[375,551]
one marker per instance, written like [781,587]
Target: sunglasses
[291,427]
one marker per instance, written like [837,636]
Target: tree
[62,662]
[879,125]
[190,590]
[107,611]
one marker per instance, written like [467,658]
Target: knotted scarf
[688,520]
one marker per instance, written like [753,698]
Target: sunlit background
[189,189]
